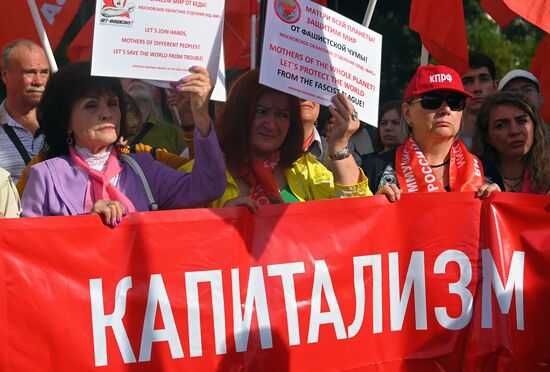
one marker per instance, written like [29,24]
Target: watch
[188,128]
[339,155]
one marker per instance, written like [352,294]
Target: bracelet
[339,155]
[188,128]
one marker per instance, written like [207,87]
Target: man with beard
[479,81]
[152,131]
[25,72]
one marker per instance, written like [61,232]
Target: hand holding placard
[199,86]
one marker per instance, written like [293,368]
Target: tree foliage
[510,48]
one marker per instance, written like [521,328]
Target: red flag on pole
[236,39]
[16,20]
[237,33]
[536,12]
[498,11]
[539,67]
[442,30]
[81,47]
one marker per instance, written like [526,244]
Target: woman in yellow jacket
[261,133]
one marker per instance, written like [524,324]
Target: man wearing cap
[480,82]
[523,82]
[432,159]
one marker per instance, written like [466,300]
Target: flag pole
[263,11]
[253,42]
[424,56]
[369,13]
[42,34]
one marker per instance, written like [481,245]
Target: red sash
[259,176]
[415,174]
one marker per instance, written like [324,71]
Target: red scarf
[308,141]
[415,174]
[99,184]
[259,176]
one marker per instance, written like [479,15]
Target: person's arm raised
[343,124]
[199,86]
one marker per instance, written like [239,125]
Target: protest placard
[156,39]
[313,52]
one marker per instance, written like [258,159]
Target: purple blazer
[56,187]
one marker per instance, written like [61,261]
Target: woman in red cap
[433,158]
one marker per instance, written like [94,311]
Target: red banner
[432,282]
[17,22]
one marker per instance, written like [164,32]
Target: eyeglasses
[433,101]
[526,90]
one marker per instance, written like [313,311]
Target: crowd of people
[80,144]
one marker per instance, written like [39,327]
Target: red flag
[536,12]
[241,7]
[236,39]
[442,30]
[498,11]
[81,47]
[539,67]
[17,22]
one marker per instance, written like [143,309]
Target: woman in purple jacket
[82,117]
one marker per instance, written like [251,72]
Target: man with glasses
[525,83]
[480,82]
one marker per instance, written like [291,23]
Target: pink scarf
[528,186]
[99,184]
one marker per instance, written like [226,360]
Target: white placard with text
[157,39]
[313,52]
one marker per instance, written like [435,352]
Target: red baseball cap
[431,77]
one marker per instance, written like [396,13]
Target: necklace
[440,165]
[511,186]
[440,178]
[513,178]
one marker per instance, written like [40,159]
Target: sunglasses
[433,101]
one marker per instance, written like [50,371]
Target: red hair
[233,127]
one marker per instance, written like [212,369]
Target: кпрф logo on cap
[441,78]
